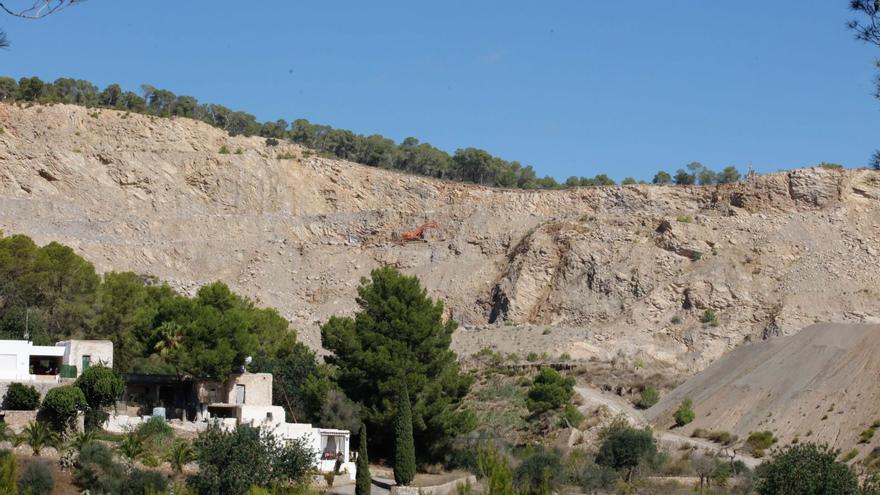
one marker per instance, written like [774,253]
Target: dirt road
[671,440]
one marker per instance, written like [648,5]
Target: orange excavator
[419,233]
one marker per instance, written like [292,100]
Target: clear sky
[571,87]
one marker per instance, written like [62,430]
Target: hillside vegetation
[465,165]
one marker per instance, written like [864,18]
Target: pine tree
[362,480]
[404,449]
[400,333]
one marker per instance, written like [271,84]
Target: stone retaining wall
[17,420]
[444,489]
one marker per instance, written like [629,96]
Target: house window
[330,447]
[86,361]
[239,394]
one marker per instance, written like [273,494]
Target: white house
[21,360]
[241,399]
[247,397]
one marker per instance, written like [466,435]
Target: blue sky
[571,87]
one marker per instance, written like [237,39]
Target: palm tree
[169,338]
[76,440]
[37,436]
[132,446]
[179,455]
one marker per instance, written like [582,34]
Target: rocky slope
[818,385]
[617,272]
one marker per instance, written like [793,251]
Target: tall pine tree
[404,449]
[398,336]
[362,478]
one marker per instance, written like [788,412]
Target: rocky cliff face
[615,271]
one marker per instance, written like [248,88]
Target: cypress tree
[404,449]
[362,478]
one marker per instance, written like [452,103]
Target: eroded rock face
[615,271]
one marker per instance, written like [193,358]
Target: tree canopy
[867,29]
[623,447]
[549,390]
[805,469]
[399,337]
[53,294]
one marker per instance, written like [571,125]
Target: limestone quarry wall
[617,272]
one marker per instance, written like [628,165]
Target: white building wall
[261,415]
[14,359]
[15,356]
[313,438]
[100,352]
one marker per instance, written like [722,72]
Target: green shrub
[685,413]
[549,391]
[287,156]
[759,441]
[96,471]
[806,469]
[7,472]
[685,219]
[139,481]
[648,398]
[541,472]
[589,476]
[154,427]
[532,357]
[493,467]
[571,416]
[722,437]
[62,404]
[224,150]
[231,462]
[850,455]
[271,141]
[866,435]
[101,386]
[36,479]
[21,397]
[709,316]
[675,320]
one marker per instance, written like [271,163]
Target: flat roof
[46,351]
